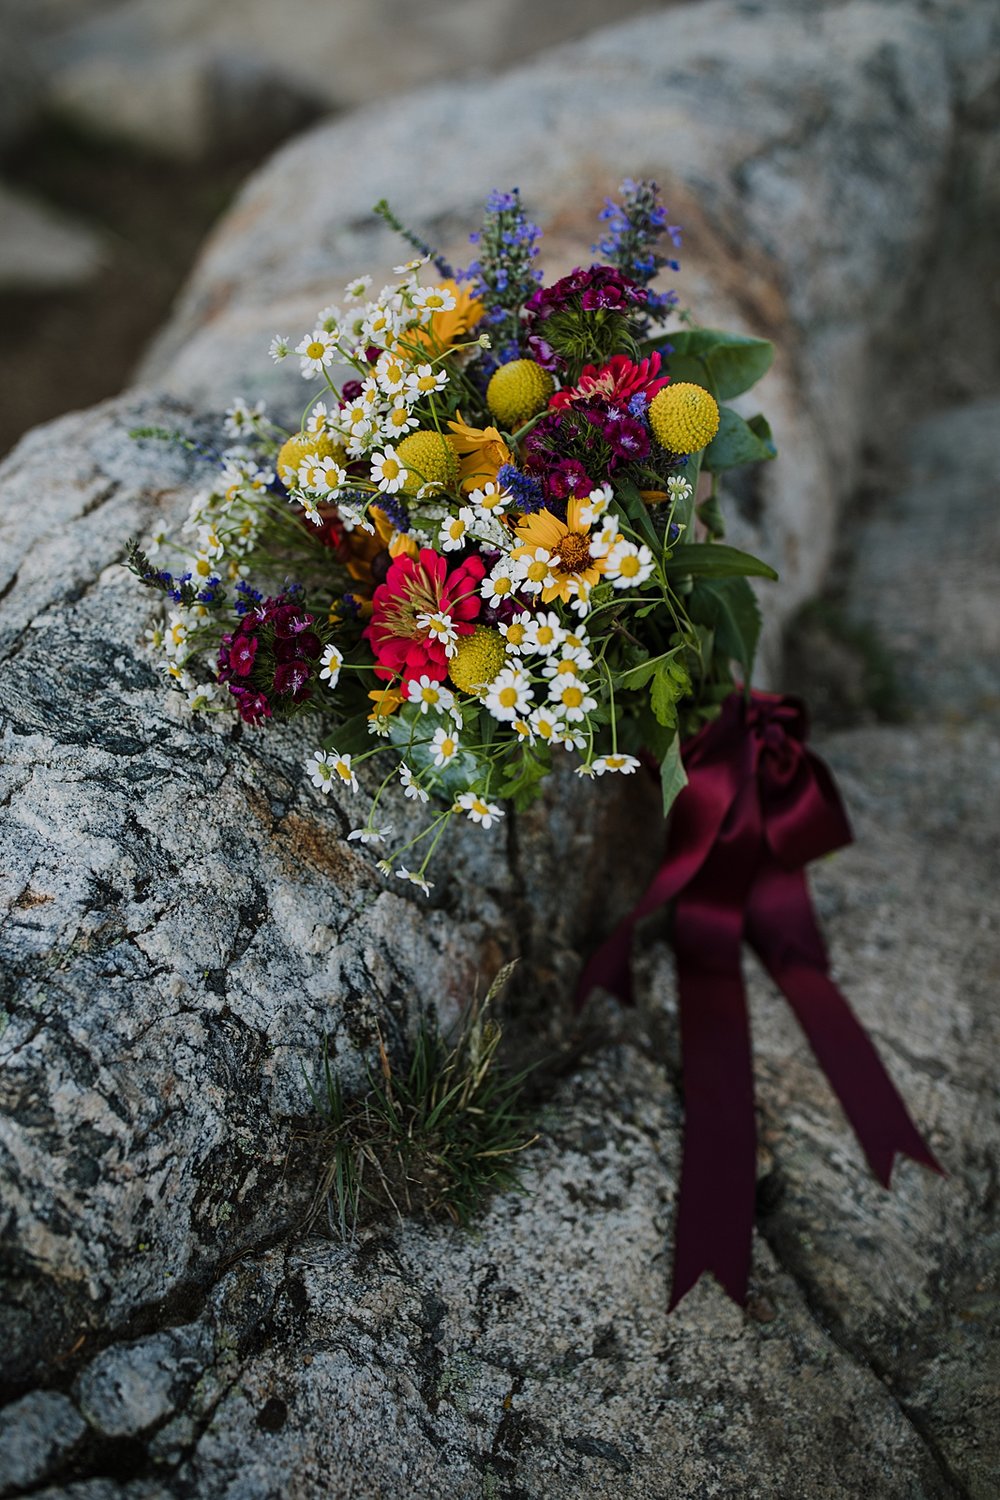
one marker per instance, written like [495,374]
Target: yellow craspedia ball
[428,458]
[518,391]
[301,447]
[478,658]
[684,417]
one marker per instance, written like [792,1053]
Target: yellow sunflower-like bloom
[482,453]
[571,563]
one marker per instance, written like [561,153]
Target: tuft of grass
[436,1138]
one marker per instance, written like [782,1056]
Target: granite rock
[185,923]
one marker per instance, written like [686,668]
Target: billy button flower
[478,660]
[684,418]
[429,459]
[518,391]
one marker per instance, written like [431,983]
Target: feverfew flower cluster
[480,547]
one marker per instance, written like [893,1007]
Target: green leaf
[523,781]
[730,607]
[713,560]
[673,777]
[711,517]
[725,363]
[445,781]
[736,443]
[637,511]
[670,684]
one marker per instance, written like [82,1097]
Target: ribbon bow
[758,807]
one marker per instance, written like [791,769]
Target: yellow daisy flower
[568,544]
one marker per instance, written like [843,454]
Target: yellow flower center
[537,571]
[502,585]
[447,748]
[390,469]
[316,350]
[342,770]
[546,635]
[507,697]
[629,566]
[515,633]
[572,697]
[426,383]
[573,553]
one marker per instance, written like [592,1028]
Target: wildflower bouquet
[494,539]
[485,545]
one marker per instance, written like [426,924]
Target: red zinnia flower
[414,587]
[618,380]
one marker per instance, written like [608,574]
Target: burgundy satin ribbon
[758,807]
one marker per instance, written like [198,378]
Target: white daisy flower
[415,879]
[390,372]
[572,698]
[382,321]
[320,769]
[679,489]
[433,299]
[399,420]
[387,471]
[586,770]
[319,419]
[535,571]
[509,695]
[543,633]
[341,767]
[331,662]
[444,746]
[353,517]
[425,380]
[628,565]
[522,728]
[440,627]
[490,500]
[370,835]
[411,788]
[454,528]
[411,265]
[500,584]
[279,348]
[317,350]
[355,290]
[515,632]
[209,543]
[242,418]
[546,724]
[596,504]
[625,765]
[568,664]
[201,697]
[329,318]
[432,696]
[484,813]
[579,592]
[378,725]
[570,738]
[309,508]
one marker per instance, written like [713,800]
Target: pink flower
[414,587]
[618,380]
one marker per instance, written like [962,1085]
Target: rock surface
[41,248]
[185,923]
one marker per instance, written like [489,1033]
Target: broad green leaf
[730,607]
[673,777]
[736,443]
[725,363]
[713,560]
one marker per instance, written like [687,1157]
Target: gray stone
[37,1434]
[189,78]
[186,923]
[131,1388]
[42,249]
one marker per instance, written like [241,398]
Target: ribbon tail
[715,1210]
[782,928]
